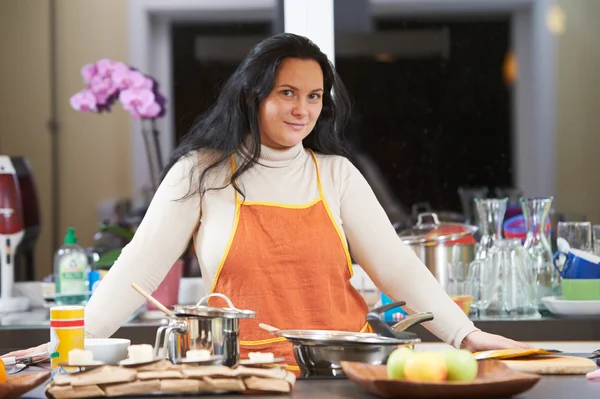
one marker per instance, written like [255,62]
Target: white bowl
[108,350]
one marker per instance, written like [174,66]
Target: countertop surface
[549,387]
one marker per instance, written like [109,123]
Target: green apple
[461,365]
[395,363]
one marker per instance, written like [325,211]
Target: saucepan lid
[202,309]
[430,230]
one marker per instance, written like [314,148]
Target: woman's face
[290,111]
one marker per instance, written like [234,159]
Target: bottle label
[72,274]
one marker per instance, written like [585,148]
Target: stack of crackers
[166,378]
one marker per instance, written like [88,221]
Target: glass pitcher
[491,215]
[505,282]
[547,279]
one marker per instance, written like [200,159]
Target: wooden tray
[493,379]
[19,384]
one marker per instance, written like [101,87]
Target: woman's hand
[481,341]
[43,348]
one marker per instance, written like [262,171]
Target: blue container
[392,315]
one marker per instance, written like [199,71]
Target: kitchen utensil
[11,235]
[93,364]
[577,234]
[491,215]
[19,384]
[107,350]
[596,239]
[440,244]
[581,289]
[505,282]
[25,256]
[578,264]
[202,326]
[516,227]
[319,352]
[547,279]
[156,303]
[565,308]
[493,378]
[550,364]
[467,200]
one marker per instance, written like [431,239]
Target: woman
[262,186]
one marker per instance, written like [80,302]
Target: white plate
[248,362]
[561,307]
[95,363]
[129,363]
[211,360]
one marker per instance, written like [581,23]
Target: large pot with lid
[201,326]
[319,353]
[445,248]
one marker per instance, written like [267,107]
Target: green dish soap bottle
[70,271]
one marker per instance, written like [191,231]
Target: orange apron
[291,265]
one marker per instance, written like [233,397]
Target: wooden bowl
[493,379]
[19,384]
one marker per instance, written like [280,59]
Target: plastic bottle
[70,270]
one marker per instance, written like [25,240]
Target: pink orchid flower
[84,101]
[88,71]
[107,67]
[136,100]
[127,79]
[103,88]
[151,111]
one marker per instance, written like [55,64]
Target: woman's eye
[287,93]
[315,96]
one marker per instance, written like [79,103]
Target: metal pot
[442,247]
[203,327]
[319,352]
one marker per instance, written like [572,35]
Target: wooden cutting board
[548,364]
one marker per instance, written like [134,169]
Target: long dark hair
[224,129]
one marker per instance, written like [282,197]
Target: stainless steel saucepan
[319,352]
[201,326]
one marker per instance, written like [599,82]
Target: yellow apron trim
[335,225]
[278,205]
[235,225]
[293,368]
[366,328]
[262,341]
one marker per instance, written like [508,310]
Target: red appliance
[24,257]
[11,234]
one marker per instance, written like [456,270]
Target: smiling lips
[296,126]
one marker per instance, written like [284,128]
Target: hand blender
[11,234]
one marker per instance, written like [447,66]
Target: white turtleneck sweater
[281,176]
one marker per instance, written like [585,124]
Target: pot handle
[397,331]
[433,215]
[412,320]
[158,339]
[167,330]
[204,300]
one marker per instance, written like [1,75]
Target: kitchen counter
[33,328]
[549,387]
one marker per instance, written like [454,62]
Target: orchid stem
[149,156]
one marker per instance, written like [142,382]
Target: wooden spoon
[268,328]
[154,301]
